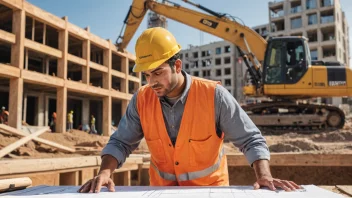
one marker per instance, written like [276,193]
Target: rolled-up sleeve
[127,136]
[238,128]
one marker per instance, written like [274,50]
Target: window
[206,73]
[206,53]
[273,69]
[181,56]
[312,19]
[218,72]
[227,49]
[218,50]
[227,60]
[314,54]
[227,82]
[187,66]
[218,61]
[325,3]
[186,55]
[227,71]
[311,4]
[196,73]
[195,54]
[296,23]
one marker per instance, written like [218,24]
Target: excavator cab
[286,60]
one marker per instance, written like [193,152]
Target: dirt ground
[338,141]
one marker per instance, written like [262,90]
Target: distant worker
[92,125]
[184,120]
[70,121]
[4,116]
[53,122]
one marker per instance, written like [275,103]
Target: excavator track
[284,115]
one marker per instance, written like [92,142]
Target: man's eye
[157,73]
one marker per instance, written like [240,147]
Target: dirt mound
[282,147]
[98,143]
[38,150]
[333,136]
[304,145]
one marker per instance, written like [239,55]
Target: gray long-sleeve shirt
[230,118]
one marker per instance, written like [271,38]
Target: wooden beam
[98,67]
[86,89]
[77,60]
[9,71]
[42,48]
[14,184]
[346,189]
[42,79]
[44,16]
[11,167]
[13,146]
[7,36]
[77,31]
[69,179]
[118,74]
[37,139]
[297,159]
[15,102]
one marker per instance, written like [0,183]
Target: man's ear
[178,65]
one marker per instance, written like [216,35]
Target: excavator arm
[250,44]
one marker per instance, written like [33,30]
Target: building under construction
[48,64]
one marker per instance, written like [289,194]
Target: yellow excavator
[280,68]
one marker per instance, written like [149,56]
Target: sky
[105,17]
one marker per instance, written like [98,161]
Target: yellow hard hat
[153,47]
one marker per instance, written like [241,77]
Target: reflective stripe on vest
[190,175]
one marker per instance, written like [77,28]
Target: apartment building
[216,61]
[321,21]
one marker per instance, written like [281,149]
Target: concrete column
[24,112]
[124,83]
[61,109]
[46,112]
[107,62]
[15,102]
[86,56]
[63,47]
[85,111]
[41,109]
[18,27]
[107,105]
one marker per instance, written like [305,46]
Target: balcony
[277,14]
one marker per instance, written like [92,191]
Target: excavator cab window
[296,63]
[273,68]
[285,61]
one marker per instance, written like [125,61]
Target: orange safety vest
[198,157]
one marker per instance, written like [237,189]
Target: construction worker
[70,120]
[53,122]
[184,121]
[4,116]
[92,125]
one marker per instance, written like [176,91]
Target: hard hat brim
[149,65]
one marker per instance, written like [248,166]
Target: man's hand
[108,165]
[272,183]
[264,178]
[94,185]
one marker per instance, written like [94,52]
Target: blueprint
[308,191]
